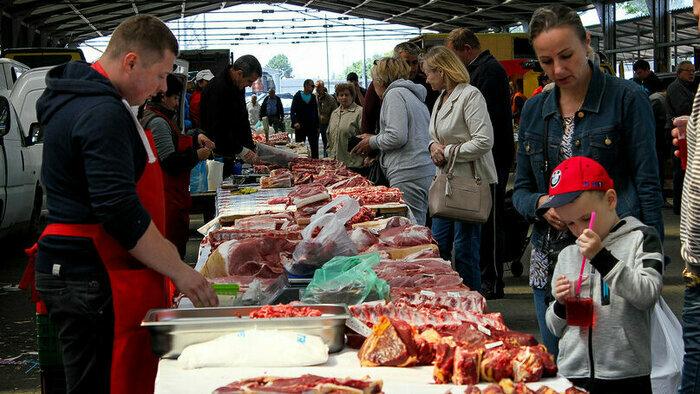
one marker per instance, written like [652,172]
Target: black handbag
[376,174]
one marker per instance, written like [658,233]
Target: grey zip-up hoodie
[619,346]
[403,133]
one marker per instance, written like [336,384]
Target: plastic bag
[271,154]
[256,349]
[347,280]
[666,350]
[332,240]
[215,174]
[198,178]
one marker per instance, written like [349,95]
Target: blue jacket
[615,127]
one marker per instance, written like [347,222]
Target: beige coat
[464,118]
[341,127]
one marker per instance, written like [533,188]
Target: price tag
[483,329]
[358,326]
[429,275]
[453,294]
[427,293]
[493,345]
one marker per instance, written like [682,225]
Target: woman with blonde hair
[460,126]
[403,134]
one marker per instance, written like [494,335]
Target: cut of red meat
[309,209]
[527,365]
[408,235]
[328,179]
[303,384]
[370,195]
[276,181]
[365,215]
[363,238]
[283,310]
[279,171]
[280,200]
[496,364]
[466,366]
[275,221]
[261,169]
[302,177]
[224,234]
[397,221]
[466,335]
[259,257]
[390,344]
[309,194]
[547,359]
[514,338]
[521,388]
[444,360]
[353,181]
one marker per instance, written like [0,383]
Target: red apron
[135,288]
[177,196]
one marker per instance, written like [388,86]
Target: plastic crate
[53,380]
[49,346]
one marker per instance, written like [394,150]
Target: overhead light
[312,32]
[258,20]
[245,34]
[298,19]
[327,26]
[268,11]
[250,27]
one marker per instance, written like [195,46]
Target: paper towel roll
[215,174]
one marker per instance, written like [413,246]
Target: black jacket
[679,97]
[280,109]
[652,83]
[224,116]
[489,76]
[306,114]
[93,157]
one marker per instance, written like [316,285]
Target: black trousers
[492,238]
[82,308]
[638,385]
[302,133]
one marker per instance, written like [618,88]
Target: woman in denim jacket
[587,114]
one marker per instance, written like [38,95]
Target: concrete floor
[18,322]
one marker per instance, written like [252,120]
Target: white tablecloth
[172,379]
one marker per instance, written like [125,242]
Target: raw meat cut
[308,384]
[309,194]
[353,181]
[302,177]
[447,297]
[397,221]
[496,364]
[259,257]
[521,388]
[274,221]
[216,237]
[309,210]
[282,310]
[527,366]
[444,360]
[279,181]
[279,138]
[466,366]
[408,235]
[370,195]
[363,239]
[280,200]
[365,215]
[261,169]
[390,344]
[279,171]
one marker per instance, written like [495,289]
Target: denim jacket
[614,126]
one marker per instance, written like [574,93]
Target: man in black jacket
[304,114]
[645,77]
[489,76]
[224,115]
[679,100]
[272,108]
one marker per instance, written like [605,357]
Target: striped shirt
[690,202]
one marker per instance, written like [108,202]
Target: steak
[390,344]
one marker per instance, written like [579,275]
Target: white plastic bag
[215,174]
[256,348]
[666,350]
[331,241]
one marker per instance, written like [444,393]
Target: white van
[10,71]
[20,191]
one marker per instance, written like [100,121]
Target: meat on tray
[457,298]
[370,195]
[353,181]
[407,235]
[284,310]
[278,181]
[308,194]
[261,169]
[308,384]
[259,257]
[224,234]
[278,138]
[365,215]
[329,179]
[273,221]
[279,171]
[363,239]
[390,344]
[302,177]
[466,365]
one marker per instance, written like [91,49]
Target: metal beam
[658,11]
[606,13]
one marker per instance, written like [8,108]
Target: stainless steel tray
[174,329]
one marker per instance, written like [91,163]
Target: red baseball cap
[573,177]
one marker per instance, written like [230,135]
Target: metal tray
[174,329]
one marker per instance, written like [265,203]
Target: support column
[658,11]
[606,13]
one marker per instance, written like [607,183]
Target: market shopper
[304,114]
[101,262]
[459,117]
[272,108]
[403,135]
[489,76]
[344,124]
[360,92]
[644,76]
[326,105]
[224,113]
[202,79]
[690,248]
[410,53]
[679,100]
[590,114]
[253,108]
[177,155]
[623,271]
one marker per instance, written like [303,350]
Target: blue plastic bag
[198,178]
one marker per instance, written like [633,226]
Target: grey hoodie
[403,133]
[619,346]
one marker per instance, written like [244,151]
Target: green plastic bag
[347,280]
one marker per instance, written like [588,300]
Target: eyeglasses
[686,70]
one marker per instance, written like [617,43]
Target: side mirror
[36,134]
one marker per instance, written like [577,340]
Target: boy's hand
[589,244]
[562,289]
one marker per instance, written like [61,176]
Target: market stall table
[173,379]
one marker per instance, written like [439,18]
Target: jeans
[324,138]
[678,176]
[690,382]
[465,237]
[543,297]
[82,308]
[415,193]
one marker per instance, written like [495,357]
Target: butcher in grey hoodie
[403,135]
[623,264]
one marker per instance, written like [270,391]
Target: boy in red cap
[614,354]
